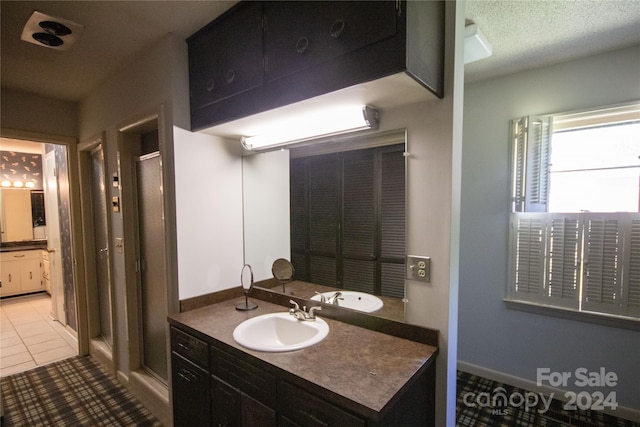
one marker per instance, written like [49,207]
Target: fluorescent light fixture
[476,45]
[318,124]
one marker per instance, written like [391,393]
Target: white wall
[33,113]
[202,173]
[208,213]
[490,335]
[265,187]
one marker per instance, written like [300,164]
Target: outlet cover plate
[419,268]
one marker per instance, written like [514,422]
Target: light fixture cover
[476,45]
[318,124]
[51,31]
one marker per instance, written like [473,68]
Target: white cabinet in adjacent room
[21,272]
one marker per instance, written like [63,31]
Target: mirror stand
[246,278]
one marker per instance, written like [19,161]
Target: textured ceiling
[530,34]
[524,34]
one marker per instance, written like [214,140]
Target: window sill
[604,319]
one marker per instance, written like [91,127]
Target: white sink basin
[355,300]
[276,332]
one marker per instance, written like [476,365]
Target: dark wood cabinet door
[299,407]
[300,35]
[190,393]
[226,58]
[255,414]
[225,405]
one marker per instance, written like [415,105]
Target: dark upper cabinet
[263,55]
[303,34]
[226,58]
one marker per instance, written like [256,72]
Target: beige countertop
[364,366]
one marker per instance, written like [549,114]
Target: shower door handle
[104,252]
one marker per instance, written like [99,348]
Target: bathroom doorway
[41,167]
[145,231]
[96,223]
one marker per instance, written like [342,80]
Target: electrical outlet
[419,268]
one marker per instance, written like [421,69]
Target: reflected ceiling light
[6,183]
[308,126]
[476,45]
[51,31]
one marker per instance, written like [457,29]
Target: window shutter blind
[519,137]
[633,282]
[531,137]
[602,270]
[528,266]
[537,164]
[564,257]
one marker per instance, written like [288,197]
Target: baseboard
[627,413]
[122,378]
[101,353]
[152,393]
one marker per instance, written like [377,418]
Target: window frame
[596,255]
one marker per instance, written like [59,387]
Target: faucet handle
[322,297]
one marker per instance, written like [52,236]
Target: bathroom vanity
[353,377]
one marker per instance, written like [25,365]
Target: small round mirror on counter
[246,279]
[283,271]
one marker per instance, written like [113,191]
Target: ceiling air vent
[51,31]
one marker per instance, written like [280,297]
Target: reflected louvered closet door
[348,219]
[359,253]
[323,213]
[392,222]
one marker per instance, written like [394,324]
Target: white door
[53,238]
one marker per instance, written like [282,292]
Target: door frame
[77,248]
[143,385]
[108,357]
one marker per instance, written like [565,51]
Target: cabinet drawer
[300,35]
[225,58]
[190,347]
[20,255]
[190,393]
[245,376]
[300,407]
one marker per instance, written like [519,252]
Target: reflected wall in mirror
[336,210]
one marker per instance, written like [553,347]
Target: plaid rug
[471,412]
[72,392]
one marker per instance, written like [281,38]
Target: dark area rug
[471,412]
[71,392]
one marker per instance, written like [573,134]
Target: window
[575,222]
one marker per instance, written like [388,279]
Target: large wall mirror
[337,210]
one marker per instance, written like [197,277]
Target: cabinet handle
[210,85]
[186,375]
[313,417]
[30,275]
[337,28]
[183,347]
[302,44]
[231,75]
[19,256]
[9,276]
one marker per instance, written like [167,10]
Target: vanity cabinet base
[233,388]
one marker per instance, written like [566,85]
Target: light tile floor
[29,337]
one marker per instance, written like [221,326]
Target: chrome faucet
[333,299]
[302,314]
